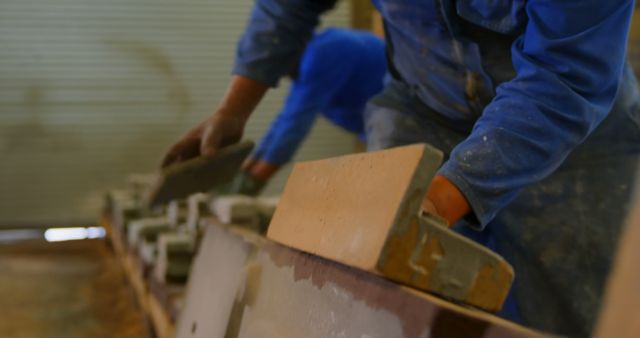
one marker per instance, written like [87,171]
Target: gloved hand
[253,177]
[246,184]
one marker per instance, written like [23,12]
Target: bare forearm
[242,97]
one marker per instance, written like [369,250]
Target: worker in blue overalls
[533,104]
[339,71]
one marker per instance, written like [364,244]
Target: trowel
[200,174]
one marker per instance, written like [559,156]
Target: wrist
[241,98]
[447,200]
[261,170]
[239,117]
[249,163]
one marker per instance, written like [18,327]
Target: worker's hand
[224,127]
[253,177]
[206,138]
[444,199]
[260,169]
[246,184]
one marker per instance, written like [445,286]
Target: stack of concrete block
[165,238]
[175,254]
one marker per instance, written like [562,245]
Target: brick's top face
[342,208]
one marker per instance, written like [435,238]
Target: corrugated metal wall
[91,91]
[634,41]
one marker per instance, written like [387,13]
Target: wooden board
[620,314]
[245,286]
[68,289]
[158,315]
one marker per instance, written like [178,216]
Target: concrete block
[175,254]
[140,183]
[266,208]
[198,206]
[124,205]
[126,210]
[236,209]
[112,196]
[362,210]
[147,252]
[177,213]
[123,209]
[146,229]
[267,205]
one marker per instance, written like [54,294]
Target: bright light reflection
[68,234]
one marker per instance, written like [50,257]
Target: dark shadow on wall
[33,134]
[178,93]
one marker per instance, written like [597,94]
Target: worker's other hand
[224,127]
[254,176]
[444,199]
[217,131]
[247,184]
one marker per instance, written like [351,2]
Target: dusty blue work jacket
[339,71]
[525,83]
[562,67]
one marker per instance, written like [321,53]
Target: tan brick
[344,208]
[363,211]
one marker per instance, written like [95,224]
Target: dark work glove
[246,184]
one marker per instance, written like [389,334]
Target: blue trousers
[560,235]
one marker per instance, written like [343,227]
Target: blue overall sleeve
[275,37]
[568,62]
[322,74]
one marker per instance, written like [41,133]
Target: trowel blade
[200,174]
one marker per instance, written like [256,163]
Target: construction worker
[533,104]
[339,71]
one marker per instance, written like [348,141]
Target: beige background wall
[93,90]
